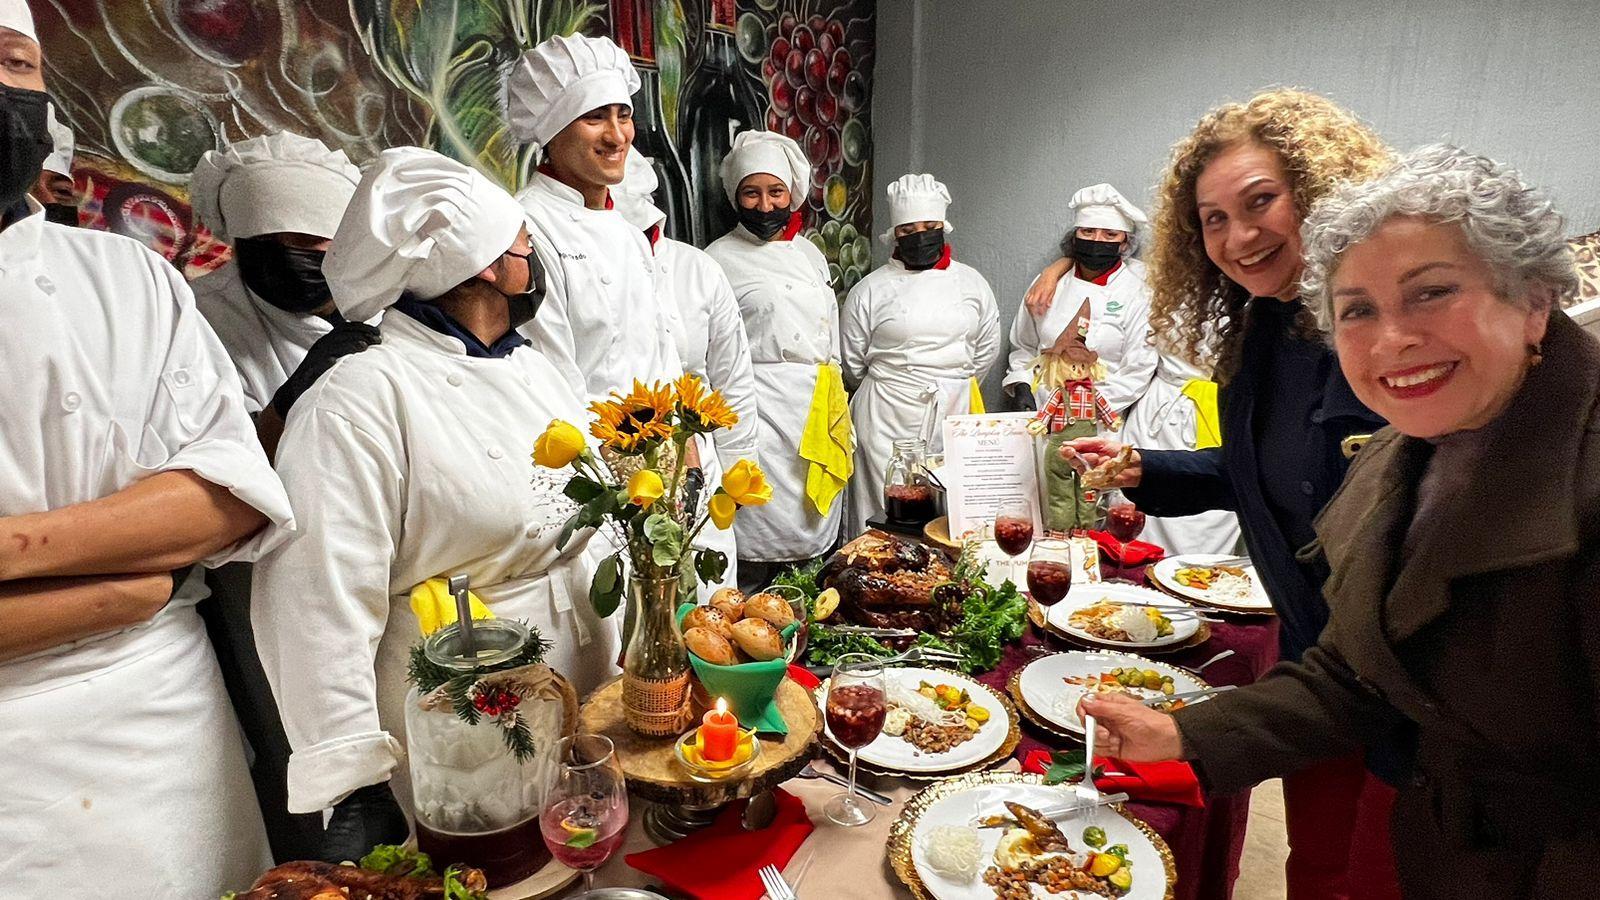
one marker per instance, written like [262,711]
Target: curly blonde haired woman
[1225,266]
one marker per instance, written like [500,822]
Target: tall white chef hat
[60,158]
[1101,206]
[563,78]
[277,182]
[421,223]
[916,198]
[635,196]
[15,15]
[770,153]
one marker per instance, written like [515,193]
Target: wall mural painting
[150,85]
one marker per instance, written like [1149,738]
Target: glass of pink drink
[586,813]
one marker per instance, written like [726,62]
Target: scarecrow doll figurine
[1075,409]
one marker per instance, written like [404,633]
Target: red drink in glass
[1013,534]
[1049,581]
[855,714]
[1124,522]
[582,835]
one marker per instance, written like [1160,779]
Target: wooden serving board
[652,768]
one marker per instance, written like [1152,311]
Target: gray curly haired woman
[1464,545]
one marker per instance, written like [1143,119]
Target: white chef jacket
[1165,419]
[1119,324]
[905,332]
[123,766]
[601,316]
[791,318]
[265,343]
[411,461]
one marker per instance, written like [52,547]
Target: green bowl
[750,688]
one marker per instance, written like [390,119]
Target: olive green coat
[1487,638]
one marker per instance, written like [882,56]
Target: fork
[777,888]
[1087,793]
[923,654]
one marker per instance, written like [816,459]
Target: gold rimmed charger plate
[998,757]
[1036,615]
[904,828]
[1254,612]
[1014,688]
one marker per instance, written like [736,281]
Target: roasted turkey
[889,582]
[326,881]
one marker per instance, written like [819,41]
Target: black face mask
[1096,256]
[24,141]
[289,278]
[764,225]
[524,305]
[61,214]
[920,249]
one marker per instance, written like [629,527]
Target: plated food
[1051,686]
[1119,615]
[734,629]
[1020,853]
[1200,578]
[937,721]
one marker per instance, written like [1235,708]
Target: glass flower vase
[655,665]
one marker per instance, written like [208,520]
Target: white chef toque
[277,182]
[1101,206]
[769,153]
[563,78]
[917,198]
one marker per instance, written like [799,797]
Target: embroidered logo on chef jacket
[1114,307]
[580,257]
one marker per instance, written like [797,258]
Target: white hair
[1512,226]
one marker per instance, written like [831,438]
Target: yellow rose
[645,488]
[722,508]
[560,444]
[746,483]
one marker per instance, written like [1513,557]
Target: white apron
[910,340]
[602,321]
[1119,328]
[791,318]
[122,765]
[1164,419]
[265,343]
[411,461]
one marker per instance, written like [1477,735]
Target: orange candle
[719,733]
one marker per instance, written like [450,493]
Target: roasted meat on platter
[889,582]
[327,881]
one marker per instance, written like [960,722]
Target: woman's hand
[1098,453]
[1043,290]
[1127,729]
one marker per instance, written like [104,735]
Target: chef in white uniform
[791,317]
[408,462]
[572,96]
[276,200]
[55,188]
[1101,244]
[125,454]
[919,332]
[710,336]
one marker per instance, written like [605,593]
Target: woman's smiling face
[1423,335]
[1248,220]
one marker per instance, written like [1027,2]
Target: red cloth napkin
[799,675]
[1158,782]
[1135,553]
[721,862]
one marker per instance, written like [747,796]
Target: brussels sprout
[1094,836]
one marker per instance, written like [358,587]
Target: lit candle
[719,734]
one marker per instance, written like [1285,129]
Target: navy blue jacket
[1182,482]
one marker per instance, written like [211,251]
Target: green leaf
[583,489]
[666,539]
[710,565]
[583,839]
[1065,765]
[394,859]
[454,889]
[605,592]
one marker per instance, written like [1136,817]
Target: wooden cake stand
[679,804]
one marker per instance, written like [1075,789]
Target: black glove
[1019,397]
[368,817]
[345,338]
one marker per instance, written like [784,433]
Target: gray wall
[1015,105]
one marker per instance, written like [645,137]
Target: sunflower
[702,410]
[633,424]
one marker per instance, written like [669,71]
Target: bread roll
[709,646]
[710,618]
[731,602]
[758,638]
[771,607]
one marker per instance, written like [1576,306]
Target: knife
[868,631]
[1065,809]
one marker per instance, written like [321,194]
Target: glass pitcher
[909,494]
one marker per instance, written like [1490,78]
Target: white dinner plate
[892,752]
[1165,573]
[1149,870]
[1053,699]
[1084,596]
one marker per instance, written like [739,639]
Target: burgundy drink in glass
[858,702]
[1050,571]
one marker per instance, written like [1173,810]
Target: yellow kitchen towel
[435,608]
[975,399]
[1207,423]
[827,442]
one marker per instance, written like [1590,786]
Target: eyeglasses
[535,270]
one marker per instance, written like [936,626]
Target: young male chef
[126,455]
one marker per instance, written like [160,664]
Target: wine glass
[1013,530]
[1124,521]
[1050,571]
[586,811]
[797,602]
[858,702]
